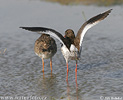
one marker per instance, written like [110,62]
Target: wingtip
[21,27]
[25,28]
[109,11]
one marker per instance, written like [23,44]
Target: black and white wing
[49,31]
[87,25]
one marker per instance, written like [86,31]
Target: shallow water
[100,70]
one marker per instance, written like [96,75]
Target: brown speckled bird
[45,47]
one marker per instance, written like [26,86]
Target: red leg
[51,64]
[67,68]
[76,72]
[67,72]
[76,67]
[42,65]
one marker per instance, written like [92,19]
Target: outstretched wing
[49,31]
[88,24]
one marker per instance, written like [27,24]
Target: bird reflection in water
[68,90]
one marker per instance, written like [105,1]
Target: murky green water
[100,70]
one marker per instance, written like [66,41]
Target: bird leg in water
[51,64]
[42,65]
[67,72]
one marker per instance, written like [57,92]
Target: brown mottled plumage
[45,47]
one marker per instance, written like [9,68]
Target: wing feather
[49,31]
[87,25]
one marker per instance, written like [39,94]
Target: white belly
[45,56]
[69,55]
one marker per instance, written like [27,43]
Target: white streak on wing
[73,48]
[52,34]
[65,52]
[88,26]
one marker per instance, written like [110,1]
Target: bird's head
[69,34]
